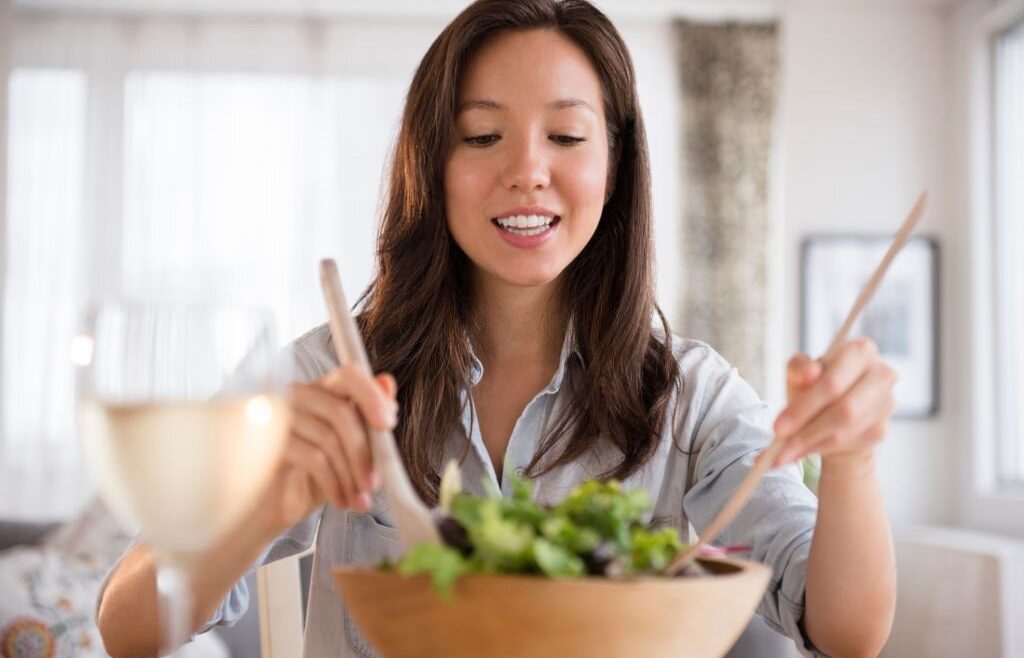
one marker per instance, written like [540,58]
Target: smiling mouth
[526,225]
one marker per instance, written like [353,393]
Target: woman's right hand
[327,457]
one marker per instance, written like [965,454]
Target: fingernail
[364,501]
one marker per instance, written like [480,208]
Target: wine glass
[182,411]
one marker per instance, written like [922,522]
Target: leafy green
[557,561]
[653,550]
[443,564]
[500,543]
[597,530]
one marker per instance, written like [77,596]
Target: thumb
[387,384]
[801,371]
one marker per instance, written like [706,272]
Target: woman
[513,307]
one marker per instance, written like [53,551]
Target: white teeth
[526,224]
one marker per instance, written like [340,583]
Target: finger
[312,461]
[869,438]
[349,432]
[387,384]
[322,436]
[839,426]
[356,445]
[350,382]
[802,370]
[835,381]
[868,402]
[298,492]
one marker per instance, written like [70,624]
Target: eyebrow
[488,104]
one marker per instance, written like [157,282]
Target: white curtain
[176,155]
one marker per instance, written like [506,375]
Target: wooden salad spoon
[412,519]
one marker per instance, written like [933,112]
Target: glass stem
[175,592]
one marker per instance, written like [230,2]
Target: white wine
[182,473]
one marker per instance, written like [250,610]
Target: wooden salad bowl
[534,617]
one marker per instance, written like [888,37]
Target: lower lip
[528,241]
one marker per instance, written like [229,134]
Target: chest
[499,401]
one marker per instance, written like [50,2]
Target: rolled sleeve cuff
[783,612]
[231,608]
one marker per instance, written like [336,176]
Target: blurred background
[225,146]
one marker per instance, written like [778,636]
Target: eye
[567,140]
[481,140]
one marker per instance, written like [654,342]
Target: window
[1008,179]
[240,183]
[991,85]
[44,219]
[186,165]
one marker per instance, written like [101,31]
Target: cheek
[584,180]
[466,178]
[464,186]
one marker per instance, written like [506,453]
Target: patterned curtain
[728,88]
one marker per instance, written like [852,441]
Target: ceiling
[414,8]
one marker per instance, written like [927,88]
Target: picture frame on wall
[902,318]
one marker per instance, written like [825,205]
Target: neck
[518,324]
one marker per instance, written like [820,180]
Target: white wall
[867,124]
[652,45]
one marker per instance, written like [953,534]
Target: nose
[527,168]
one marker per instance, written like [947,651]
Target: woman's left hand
[840,411]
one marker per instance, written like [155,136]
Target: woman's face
[525,181]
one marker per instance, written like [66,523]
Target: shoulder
[699,363]
[710,387]
[313,353]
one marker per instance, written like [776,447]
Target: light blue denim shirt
[719,432]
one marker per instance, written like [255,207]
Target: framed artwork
[902,318]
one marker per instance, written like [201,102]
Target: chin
[529,279]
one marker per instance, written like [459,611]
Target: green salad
[596,530]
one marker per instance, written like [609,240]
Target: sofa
[49,578]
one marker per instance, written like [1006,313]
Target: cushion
[48,592]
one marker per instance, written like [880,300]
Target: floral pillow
[48,592]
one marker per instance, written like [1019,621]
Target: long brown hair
[416,314]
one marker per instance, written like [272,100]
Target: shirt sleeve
[733,426]
[297,539]
[305,359]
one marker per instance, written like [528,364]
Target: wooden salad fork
[764,462]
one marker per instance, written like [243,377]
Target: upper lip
[527,210]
